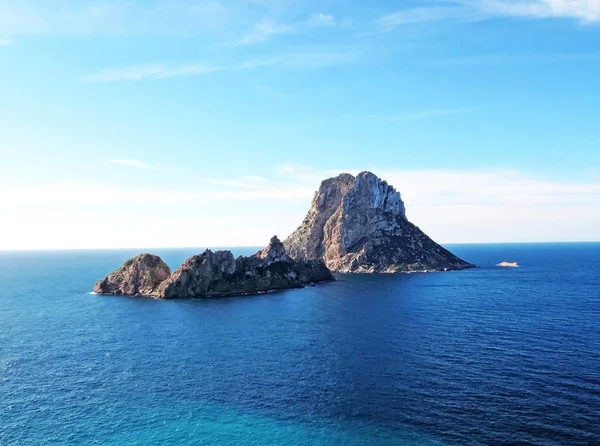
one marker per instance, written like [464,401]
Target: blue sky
[210,123]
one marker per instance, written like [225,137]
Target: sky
[210,123]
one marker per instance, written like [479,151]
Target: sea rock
[139,275]
[359,225]
[216,274]
[508,265]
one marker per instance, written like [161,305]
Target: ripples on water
[487,356]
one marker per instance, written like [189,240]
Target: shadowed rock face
[214,274]
[139,275]
[358,224]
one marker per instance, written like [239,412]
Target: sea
[489,356]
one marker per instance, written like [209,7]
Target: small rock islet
[214,274]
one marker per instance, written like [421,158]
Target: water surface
[478,357]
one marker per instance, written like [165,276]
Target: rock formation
[214,274]
[359,225]
[139,275]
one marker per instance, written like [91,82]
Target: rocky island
[355,225]
[214,274]
[359,225]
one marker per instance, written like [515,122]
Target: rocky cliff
[359,225]
[214,274]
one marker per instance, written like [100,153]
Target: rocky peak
[274,252]
[330,194]
[359,224]
[217,261]
[371,192]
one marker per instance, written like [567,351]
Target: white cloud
[217,21]
[309,60]
[240,212]
[486,205]
[5,42]
[303,60]
[265,30]
[449,205]
[585,10]
[582,10]
[76,193]
[321,19]
[268,28]
[365,119]
[513,59]
[30,17]
[432,113]
[249,182]
[131,163]
[417,15]
[318,59]
[154,71]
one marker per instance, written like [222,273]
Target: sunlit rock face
[359,225]
[140,275]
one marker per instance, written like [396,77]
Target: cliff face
[358,224]
[139,275]
[214,274]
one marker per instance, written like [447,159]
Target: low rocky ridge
[216,274]
[359,225]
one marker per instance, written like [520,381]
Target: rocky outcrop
[216,274]
[359,225]
[140,275]
[274,252]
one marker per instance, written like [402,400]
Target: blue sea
[488,356]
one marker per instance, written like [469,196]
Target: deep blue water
[480,357]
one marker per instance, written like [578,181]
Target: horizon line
[2,250]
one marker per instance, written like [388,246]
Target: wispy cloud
[309,60]
[233,183]
[477,205]
[110,17]
[321,19]
[510,59]
[74,193]
[390,118]
[5,42]
[153,71]
[215,20]
[426,114]
[582,10]
[251,182]
[131,163]
[268,28]
[416,15]
[485,205]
